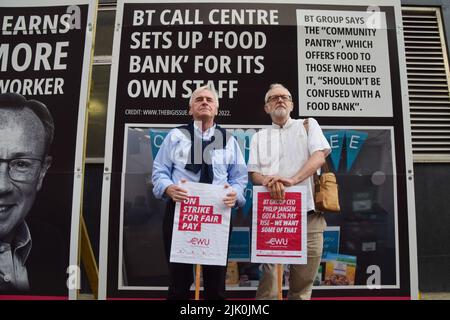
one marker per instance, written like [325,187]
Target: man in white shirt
[287,155]
[26,133]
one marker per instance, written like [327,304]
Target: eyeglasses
[284,97]
[23,169]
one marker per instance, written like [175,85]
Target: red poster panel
[280,228]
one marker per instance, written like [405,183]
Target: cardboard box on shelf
[232,277]
[340,270]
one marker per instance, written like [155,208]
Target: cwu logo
[278,241]
[200,242]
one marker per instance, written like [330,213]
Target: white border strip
[412,236]
[122,205]
[104,219]
[44,3]
[80,142]
[389,3]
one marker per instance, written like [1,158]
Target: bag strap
[306,125]
[325,167]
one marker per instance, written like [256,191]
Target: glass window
[98,104]
[104,33]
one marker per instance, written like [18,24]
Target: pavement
[435,295]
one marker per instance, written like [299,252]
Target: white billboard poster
[201,226]
[343,64]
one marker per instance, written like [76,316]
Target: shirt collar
[22,241]
[206,135]
[288,123]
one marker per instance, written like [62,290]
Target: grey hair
[206,87]
[273,86]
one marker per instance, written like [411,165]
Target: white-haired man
[203,152]
[286,155]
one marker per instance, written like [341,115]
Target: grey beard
[279,113]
